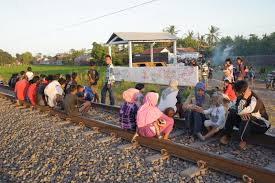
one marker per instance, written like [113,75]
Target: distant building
[166,55]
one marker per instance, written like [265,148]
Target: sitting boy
[71,103]
[248,114]
[80,91]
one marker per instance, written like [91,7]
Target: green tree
[171,29]
[26,57]
[213,36]
[5,58]
[98,52]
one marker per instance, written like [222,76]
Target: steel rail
[263,140]
[219,163]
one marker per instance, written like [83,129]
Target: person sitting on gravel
[71,82]
[54,92]
[41,100]
[193,118]
[128,110]
[71,103]
[32,90]
[248,114]
[68,78]
[216,113]
[151,121]
[13,80]
[80,92]
[228,92]
[29,73]
[140,96]
[169,96]
[21,88]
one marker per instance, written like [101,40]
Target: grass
[82,78]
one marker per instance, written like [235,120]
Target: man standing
[93,79]
[108,82]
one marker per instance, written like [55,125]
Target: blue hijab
[199,99]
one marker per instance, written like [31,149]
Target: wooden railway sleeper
[194,171]
[164,155]
[129,146]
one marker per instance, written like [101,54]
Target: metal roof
[124,37]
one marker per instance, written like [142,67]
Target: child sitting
[80,91]
[71,103]
[170,112]
[128,110]
[139,96]
[216,114]
[88,94]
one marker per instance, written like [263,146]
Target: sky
[44,25]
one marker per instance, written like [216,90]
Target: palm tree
[213,35]
[171,29]
[201,40]
[190,34]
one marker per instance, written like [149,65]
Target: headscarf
[173,86]
[199,99]
[130,95]
[148,112]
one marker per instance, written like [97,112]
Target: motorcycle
[270,80]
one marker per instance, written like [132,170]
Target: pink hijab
[148,112]
[130,95]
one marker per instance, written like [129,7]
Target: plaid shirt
[127,116]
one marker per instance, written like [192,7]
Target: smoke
[220,53]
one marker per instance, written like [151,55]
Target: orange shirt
[230,92]
[32,92]
[21,88]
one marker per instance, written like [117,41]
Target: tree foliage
[5,58]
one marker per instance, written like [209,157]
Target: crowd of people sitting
[148,114]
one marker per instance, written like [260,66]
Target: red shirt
[21,88]
[32,92]
[230,92]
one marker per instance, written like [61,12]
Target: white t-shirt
[217,115]
[169,101]
[29,74]
[51,90]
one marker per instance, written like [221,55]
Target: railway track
[223,163]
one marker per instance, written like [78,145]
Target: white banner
[186,75]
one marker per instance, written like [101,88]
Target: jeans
[195,122]
[103,94]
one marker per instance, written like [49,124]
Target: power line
[105,15]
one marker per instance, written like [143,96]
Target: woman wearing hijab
[151,121]
[169,96]
[199,99]
[128,110]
